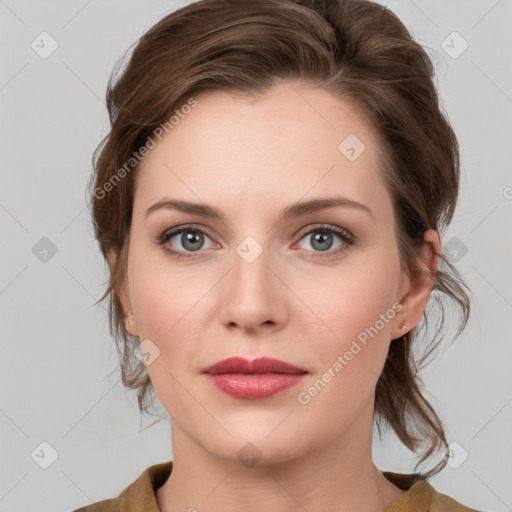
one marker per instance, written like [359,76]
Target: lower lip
[254,386]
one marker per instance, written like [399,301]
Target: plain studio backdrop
[70,432]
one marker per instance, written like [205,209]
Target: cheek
[356,305]
[158,293]
[354,296]
[166,304]
[171,305]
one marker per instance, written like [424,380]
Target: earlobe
[130,324]
[123,294]
[400,331]
[125,300]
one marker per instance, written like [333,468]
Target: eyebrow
[290,212]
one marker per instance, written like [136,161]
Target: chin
[257,447]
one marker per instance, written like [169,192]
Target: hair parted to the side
[357,50]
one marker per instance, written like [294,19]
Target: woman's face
[253,283]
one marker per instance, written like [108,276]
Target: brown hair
[355,49]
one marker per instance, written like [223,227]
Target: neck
[337,476]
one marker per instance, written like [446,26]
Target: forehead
[282,145]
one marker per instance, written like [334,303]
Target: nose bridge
[251,261]
[250,298]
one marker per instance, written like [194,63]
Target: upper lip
[256,366]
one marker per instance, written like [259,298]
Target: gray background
[59,377]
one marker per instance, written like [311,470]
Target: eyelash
[347,238]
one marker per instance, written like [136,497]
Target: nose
[253,293]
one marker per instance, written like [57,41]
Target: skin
[251,159]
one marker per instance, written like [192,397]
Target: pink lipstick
[254,379]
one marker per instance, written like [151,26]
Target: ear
[123,294]
[415,289]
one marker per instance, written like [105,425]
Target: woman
[300,147]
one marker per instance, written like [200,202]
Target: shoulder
[421,496]
[110,505]
[138,496]
[443,503]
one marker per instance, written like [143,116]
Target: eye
[190,238]
[187,240]
[324,237]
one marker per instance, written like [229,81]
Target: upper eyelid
[177,229]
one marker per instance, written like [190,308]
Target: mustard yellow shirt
[140,495]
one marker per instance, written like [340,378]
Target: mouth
[259,378]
